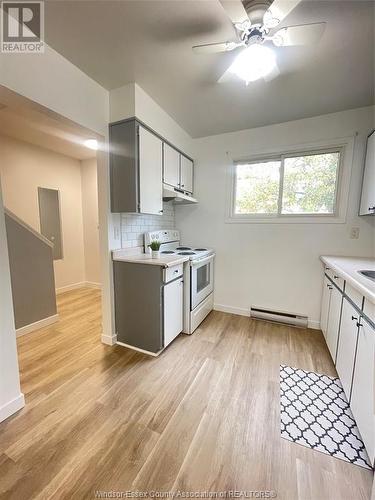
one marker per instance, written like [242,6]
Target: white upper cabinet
[171,166]
[150,172]
[368,187]
[186,175]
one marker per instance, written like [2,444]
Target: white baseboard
[232,310]
[12,406]
[93,284]
[109,339]
[315,325]
[38,324]
[75,286]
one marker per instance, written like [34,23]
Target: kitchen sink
[368,274]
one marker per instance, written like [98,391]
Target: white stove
[170,244]
[198,274]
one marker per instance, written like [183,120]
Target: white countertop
[124,255]
[348,267]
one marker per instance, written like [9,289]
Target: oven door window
[203,277]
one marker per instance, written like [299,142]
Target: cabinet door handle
[354,318]
[336,277]
[330,287]
[371,208]
[359,324]
[161,211]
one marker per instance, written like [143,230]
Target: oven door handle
[204,260]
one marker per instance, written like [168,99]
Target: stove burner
[186,253]
[183,248]
[167,251]
[200,249]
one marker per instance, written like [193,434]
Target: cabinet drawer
[338,281]
[171,273]
[354,295]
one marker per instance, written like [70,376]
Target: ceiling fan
[255,23]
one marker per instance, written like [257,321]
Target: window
[294,184]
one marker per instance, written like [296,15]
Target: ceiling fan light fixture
[253,63]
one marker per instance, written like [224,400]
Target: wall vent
[278,316]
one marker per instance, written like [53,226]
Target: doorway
[50,194]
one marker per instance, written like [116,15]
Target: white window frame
[345,146]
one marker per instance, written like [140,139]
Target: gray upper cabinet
[171,166]
[186,174]
[140,161]
[136,162]
[368,187]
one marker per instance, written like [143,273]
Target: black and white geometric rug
[315,413]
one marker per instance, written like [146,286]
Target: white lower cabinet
[347,324]
[363,391]
[333,324]
[326,298]
[173,310]
[347,346]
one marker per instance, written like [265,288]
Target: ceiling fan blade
[304,34]
[235,10]
[279,9]
[212,48]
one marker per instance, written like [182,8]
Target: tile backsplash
[133,226]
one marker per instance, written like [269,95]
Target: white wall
[273,265]
[90,217]
[131,100]
[25,167]
[11,398]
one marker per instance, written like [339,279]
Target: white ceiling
[26,121]
[117,42]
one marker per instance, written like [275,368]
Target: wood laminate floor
[204,416]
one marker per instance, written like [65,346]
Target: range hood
[178,197]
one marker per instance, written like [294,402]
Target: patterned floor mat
[314,412]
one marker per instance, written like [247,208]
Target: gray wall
[31,271]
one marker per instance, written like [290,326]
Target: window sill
[286,219]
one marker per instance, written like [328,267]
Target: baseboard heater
[278,317]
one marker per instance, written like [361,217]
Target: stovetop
[192,252]
[170,244]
